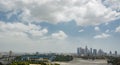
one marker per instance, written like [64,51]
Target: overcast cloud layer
[21,20]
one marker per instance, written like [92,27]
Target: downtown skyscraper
[90,52]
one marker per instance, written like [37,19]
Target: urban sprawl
[12,58]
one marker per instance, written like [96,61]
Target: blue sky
[59,26]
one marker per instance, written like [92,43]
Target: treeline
[56,58]
[19,63]
[63,58]
[28,63]
[60,58]
[114,60]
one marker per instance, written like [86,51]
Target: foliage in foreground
[27,63]
[114,60]
[63,58]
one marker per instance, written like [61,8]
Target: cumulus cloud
[102,36]
[21,29]
[59,35]
[81,30]
[117,29]
[28,30]
[97,29]
[113,4]
[107,31]
[84,12]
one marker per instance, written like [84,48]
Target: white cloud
[102,36]
[38,33]
[59,35]
[113,4]
[117,29]
[97,29]
[20,29]
[107,31]
[81,30]
[84,12]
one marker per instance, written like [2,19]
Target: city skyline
[86,51]
[59,25]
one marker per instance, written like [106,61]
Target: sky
[59,26]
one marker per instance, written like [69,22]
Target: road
[78,61]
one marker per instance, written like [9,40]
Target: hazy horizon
[59,25]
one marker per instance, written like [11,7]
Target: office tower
[82,51]
[86,50]
[10,53]
[115,53]
[78,51]
[94,52]
[100,52]
[110,53]
[91,51]
[37,53]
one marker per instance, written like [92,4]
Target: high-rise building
[37,53]
[110,53]
[78,51]
[10,53]
[86,50]
[91,51]
[100,52]
[94,52]
[82,51]
[115,53]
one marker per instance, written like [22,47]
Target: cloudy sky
[59,25]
